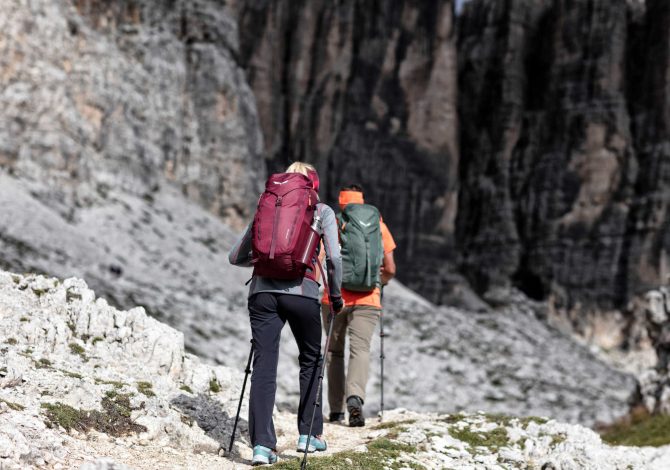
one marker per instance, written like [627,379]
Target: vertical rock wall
[366,90]
[551,176]
[563,109]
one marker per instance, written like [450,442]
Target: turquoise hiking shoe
[263,456]
[315,444]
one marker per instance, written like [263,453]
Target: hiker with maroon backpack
[281,244]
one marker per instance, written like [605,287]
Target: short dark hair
[352,187]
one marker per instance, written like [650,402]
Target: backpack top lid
[281,183]
[365,216]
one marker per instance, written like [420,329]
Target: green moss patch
[452,419]
[382,454]
[641,430]
[146,389]
[72,375]
[505,420]
[214,386]
[114,383]
[77,349]
[494,439]
[12,405]
[40,292]
[43,363]
[393,424]
[186,388]
[557,439]
[114,419]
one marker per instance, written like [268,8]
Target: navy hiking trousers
[268,313]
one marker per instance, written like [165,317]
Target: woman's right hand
[337,304]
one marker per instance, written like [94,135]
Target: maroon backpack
[282,225]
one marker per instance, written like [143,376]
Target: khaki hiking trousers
[360,321]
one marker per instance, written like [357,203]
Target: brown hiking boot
[355,408]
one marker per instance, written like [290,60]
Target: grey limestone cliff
[366,90]
[128,95]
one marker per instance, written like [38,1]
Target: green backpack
[362,250]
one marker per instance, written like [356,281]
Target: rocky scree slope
[85,385]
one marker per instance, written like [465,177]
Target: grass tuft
[493,439]
[114,383]
[393,424]
[43,363]
[640,430]
[557,439]
[186,388]
[72,375]
[383,454]
[146,389]
[12,405]
[114,419]
[505,420]
[214,386]
[77,349]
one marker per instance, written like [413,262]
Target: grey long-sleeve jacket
[240,255]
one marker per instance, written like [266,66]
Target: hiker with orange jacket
[284,289]
[367,263]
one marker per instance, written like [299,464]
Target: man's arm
[388,268]
[388,263]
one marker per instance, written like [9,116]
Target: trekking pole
[381,353]
[381,357]
[321,366]
[247,371]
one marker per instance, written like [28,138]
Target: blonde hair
[300,167]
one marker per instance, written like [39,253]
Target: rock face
[367,92]
[654,383]
[128,95]
[564,131]
[542,169]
